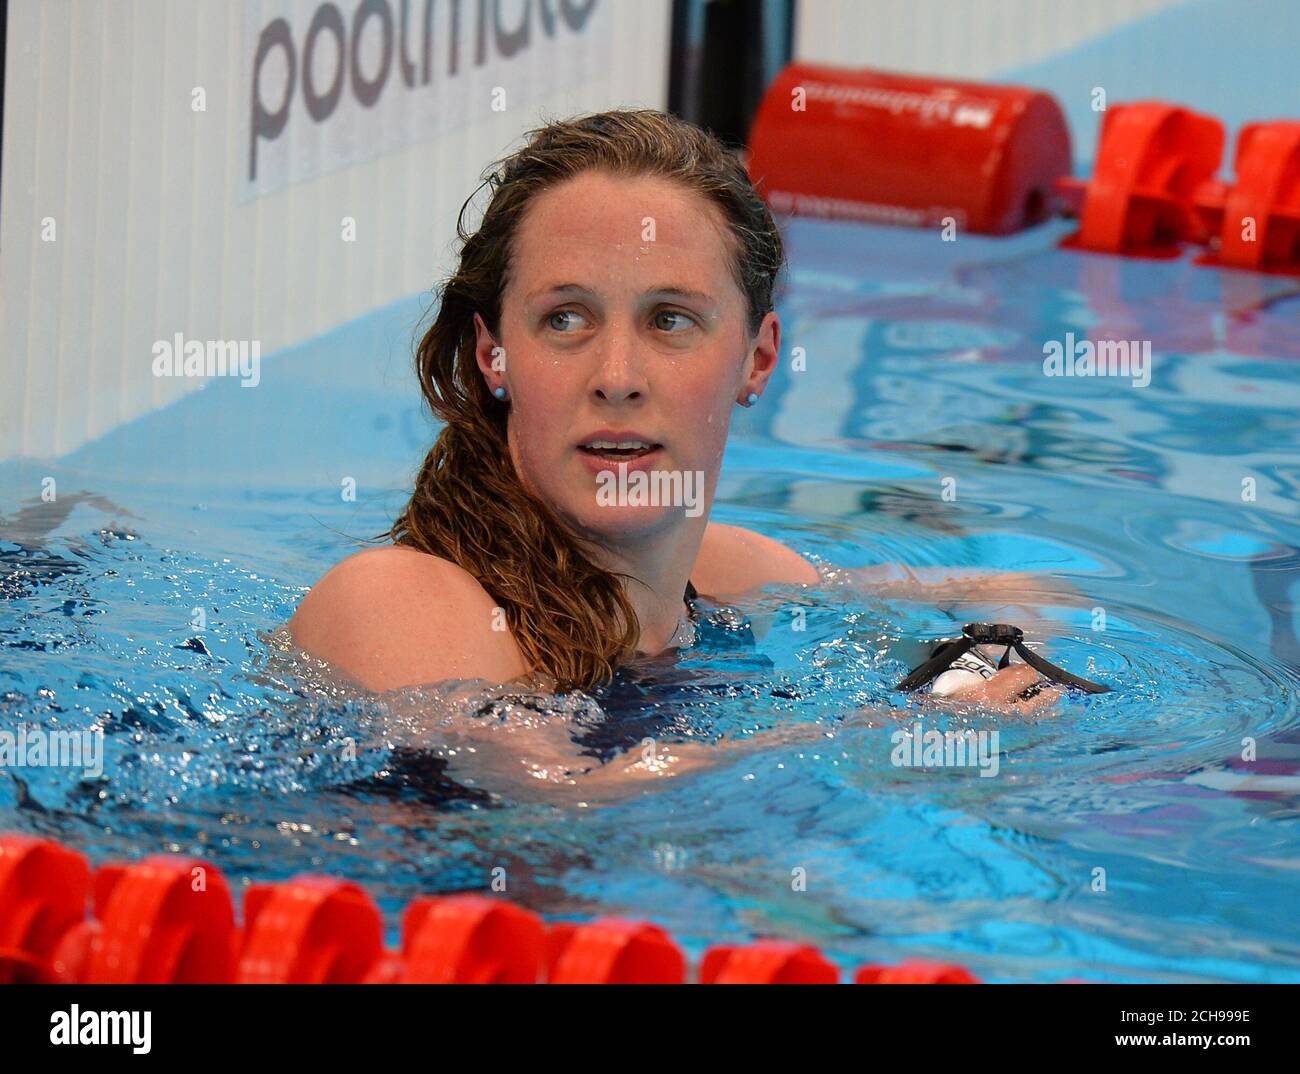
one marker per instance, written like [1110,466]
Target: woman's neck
[658,569]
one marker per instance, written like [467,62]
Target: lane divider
[170,919]
[867,145]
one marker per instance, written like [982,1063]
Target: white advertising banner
[331,84]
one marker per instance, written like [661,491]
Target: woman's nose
[618,376]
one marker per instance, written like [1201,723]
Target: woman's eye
[563,320]
[664,320]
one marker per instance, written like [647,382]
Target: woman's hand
[1017,690]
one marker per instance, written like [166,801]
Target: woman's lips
[598,461]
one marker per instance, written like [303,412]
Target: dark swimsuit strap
[690,596]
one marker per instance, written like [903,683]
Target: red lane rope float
[767,962]
[899,149]
[44,889]
[311,930]
[1154,162]
[612,950]
[915,971]
[162,920]
[470,939]
[1259,227]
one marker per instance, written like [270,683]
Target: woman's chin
[624,522]
[634,504]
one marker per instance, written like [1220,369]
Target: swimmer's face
[622,323]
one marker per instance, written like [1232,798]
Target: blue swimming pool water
[923,363]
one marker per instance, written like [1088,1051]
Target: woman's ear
[490,355]
[764,353]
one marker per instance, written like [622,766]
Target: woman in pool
[612,309]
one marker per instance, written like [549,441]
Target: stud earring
[753,398]
[500,392]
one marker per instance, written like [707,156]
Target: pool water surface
[1150,833]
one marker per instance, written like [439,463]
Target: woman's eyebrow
[686,293]
[560,288]
[669,289]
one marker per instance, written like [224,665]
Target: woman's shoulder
[734,561]
[393,616]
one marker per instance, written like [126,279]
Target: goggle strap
[951,652]
[940,662]
[1050,671]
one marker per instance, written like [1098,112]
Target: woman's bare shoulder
[734,561]
[392,616]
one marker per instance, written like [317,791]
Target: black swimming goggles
[1012,637]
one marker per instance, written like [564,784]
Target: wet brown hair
[571,618]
